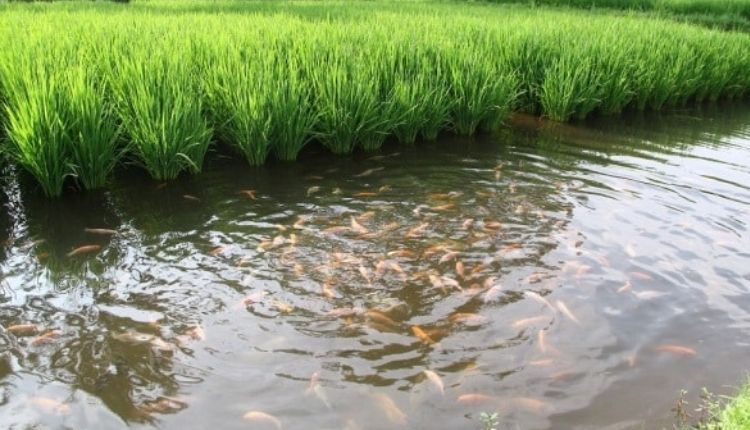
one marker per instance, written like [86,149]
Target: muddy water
[565,277]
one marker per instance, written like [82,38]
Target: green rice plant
[483,92]
[350,110]
[93,132]
[159,104]
[38,137]
[238,95]
[294,115]
[570,88]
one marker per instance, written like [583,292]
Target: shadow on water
[225,291]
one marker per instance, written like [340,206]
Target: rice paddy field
[87,87]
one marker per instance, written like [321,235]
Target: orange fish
[542,341]
[460,270]
[85,249]
[539,299]
[249,194]
[50,405]
[475,398]
[368,172]
[529,404]
[436,380]
[357,227]
[417,231]
[365,194]
[23,329]
[564,309]
[449,256]
[190,197]
[627,287]
[392,412]
[468,319]
[529,321]
[680,350]
[46,338]
[262,417]
[405,253]
[217,250]
[468,222]
[100,231]
[380,317]
[424,337]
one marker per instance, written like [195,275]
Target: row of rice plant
[84,87]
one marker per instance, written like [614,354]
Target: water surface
[567,277]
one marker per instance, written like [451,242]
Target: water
[203,308]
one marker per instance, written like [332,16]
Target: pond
[570,276]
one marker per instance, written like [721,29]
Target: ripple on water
[566,277]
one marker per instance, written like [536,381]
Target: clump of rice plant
[239,101]
[93,132]
[59,123]
[570,88]
[159,104]
[482,92]
[294,115]
[350,110]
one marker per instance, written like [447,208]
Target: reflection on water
[563,276]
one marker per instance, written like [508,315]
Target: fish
[46,338]
[449,256]
[417,231]
[469,319]
[492,225]
[492,294]
[648,295]
[327,290]
[380,317]
[460,270]
[364,216]
[283,307]
[317,389]
[424,337]
[50,405]
[23,329]
[405,253]
[368,172]
[249,194]
[365,194]
[468,222]
[336,191]
[539,299]
[564,309]
[436,380]
[336,229]
[217,250]
[100,231]
[445,207]
[542,363]
[542,341]
[196,332]
[530,404]
[475,398]
[190,197]
[343,312]
[134,337]
[680,350]
[357,227]
[163,405]
[85,249]
[253,297]
[365,272]
[384,189]
[524,322]
[312,190]
[630,251]
[300,222]
[641,276]
[262,417]
[391,410]
[627,287]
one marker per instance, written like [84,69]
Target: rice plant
[159,104]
